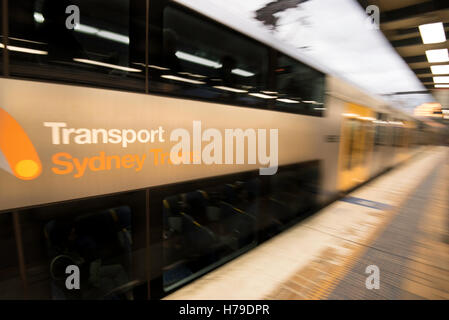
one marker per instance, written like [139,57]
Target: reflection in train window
[11,285]
[299,88]
[291,194]
[208,223]
[202,59]
[103,237]
[1,40]
[104,49]
[205,227]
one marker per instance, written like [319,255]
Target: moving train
[134,224]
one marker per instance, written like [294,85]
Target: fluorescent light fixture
[350,115]
[441,79]
[261,95]
[398,123]
[312,102]
[38,17]
[209,63]
[319,109]
[102,33]
[443,69]
[171,77]
[230,89]
[157,67]
[269,92]
[192,75]
[442,86]
[198,60]
[151,66]
[432,33]
[438,55]
[24,50]
[380,122]
[367,118]
[107,65]
[113,36]
[242,72]
[86,29]
[287,100]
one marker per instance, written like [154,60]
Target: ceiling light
[367,118]
[102,33]
[230,89]
[107,65]
[438,55]
[432,33]
[198,60]
[261,95]
[166,76]
[350,115]
[311,102]
[443,69]
[151,66]
[38,17]
[192,74]
[442,86]
[242,73]
[86,29]
[113,36]
[441,79]
[269,92]
[287,100]
[24,50]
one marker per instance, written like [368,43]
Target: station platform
[398,222]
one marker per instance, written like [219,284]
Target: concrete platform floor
[398,223]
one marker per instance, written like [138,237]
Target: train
[89,180]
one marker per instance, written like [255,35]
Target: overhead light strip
[261,95]
[287,100]
[432,33]
[24,50]
[230,89]
[442,69]
[176,78]
[107,65]
[39,18]
[441,79]
[438,55]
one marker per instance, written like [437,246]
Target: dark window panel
[300,89]
[104,50]
[104,237]
[194,57]
[11,286]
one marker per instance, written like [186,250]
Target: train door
[356,146]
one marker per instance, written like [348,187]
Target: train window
[1,39]
[205,227]
[103,237]
[104,49]
[194,57]
[292,193]
[299,88]
[11,286]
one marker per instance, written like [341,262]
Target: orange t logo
[17,153]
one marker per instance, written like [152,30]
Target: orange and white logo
[17,153]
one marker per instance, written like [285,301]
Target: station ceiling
[399,22]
